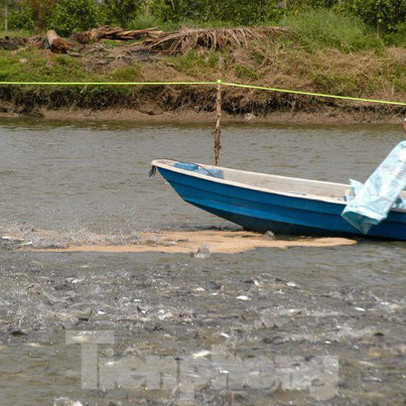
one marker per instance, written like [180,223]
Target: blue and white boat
[280,204]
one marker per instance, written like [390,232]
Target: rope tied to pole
[206,83]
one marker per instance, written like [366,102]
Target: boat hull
[262,211]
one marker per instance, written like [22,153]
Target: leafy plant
[31,14]
[385,15]
[245,12]
[396,37]
[121,12]
[177,10]
[22,18]
[76,15]
[235,11]
[142,21]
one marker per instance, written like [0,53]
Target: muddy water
[268,326]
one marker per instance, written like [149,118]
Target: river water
[268,326]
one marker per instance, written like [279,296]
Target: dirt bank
[274,62]
[324,115]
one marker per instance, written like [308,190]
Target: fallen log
[56,43]
[97,34]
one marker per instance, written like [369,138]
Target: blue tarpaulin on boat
[217,173]
[356,187]
[380,193]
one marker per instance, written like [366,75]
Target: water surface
[85,178]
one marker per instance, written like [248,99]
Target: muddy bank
[272,62]
[325,115]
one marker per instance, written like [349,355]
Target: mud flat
[200,243]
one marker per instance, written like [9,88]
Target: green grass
[336,83]
[15,33]
[127,74]
[320,29]
[246,72]
[111,43]
[195,64]
[32,64]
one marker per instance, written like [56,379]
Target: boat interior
[329,191]
[294,186]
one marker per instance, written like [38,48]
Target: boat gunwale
[161,163]
[307,196]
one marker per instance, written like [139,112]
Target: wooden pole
[6,16]
[217,130]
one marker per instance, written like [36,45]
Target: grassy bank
[346,61]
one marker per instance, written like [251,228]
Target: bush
[325,29]
[385,15]
[141,22]
[246,12]
[397,37]
[121,12]
[72,16]
[240,12]
[177,10]
[22,19]
[300,6]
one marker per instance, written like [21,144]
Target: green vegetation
[130,73]
[142,21]
[15,33]
[336,47]
[384,15]
[120,12]
[318,29]
[197,65]
[69,16]
[238,12]
[350,21]
[283,63]
[276,63]
[246,72]
[31,64]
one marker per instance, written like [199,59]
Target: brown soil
[187,115]
[203,242]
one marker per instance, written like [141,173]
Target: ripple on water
[89,183]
